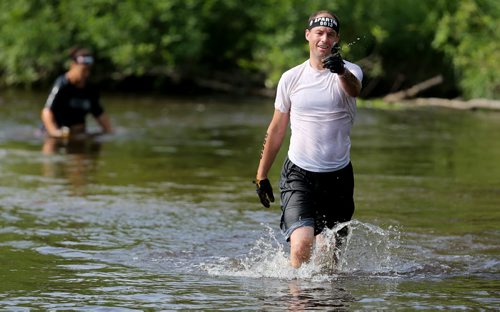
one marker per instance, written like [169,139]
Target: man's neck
[74,80]
[315,63]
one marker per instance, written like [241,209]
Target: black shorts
[317,199]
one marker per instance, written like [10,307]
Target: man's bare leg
[301,243]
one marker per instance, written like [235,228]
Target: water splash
[371,249]
[368,249]
[355,41]
[267,258]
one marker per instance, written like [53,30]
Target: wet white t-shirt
[321,116]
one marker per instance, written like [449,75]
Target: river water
[162,215]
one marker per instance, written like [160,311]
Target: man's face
[321,40]
[83,71]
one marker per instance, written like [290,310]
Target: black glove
[265,192]
[334,61]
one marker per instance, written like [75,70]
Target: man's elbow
[356,91]
[46,114]
[353,91]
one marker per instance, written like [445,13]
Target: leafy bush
[398,43]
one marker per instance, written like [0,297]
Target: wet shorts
[315,199]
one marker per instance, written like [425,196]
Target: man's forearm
[272,143]
[350,83]
[270,148]
[49,123]
[105,123]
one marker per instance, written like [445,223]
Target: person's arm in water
[270,148]
[50,123]
[105,123]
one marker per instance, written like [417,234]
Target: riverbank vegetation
[245,45]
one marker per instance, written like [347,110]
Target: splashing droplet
[366,249]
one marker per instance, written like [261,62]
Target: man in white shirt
[318,99]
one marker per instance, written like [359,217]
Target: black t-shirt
[70,104]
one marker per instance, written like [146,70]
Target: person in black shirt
[72,98]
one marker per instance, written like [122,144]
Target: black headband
[325,22]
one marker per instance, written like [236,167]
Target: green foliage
[29,37]
[397,43]
[468,34]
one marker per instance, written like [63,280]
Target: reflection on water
[307,297]
[163,215]
[74,160]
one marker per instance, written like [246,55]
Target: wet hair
[317,13]
[74,52]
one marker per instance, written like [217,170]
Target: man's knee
[301,243]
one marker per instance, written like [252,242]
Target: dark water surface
[162,215]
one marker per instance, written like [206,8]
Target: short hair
[77,51]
